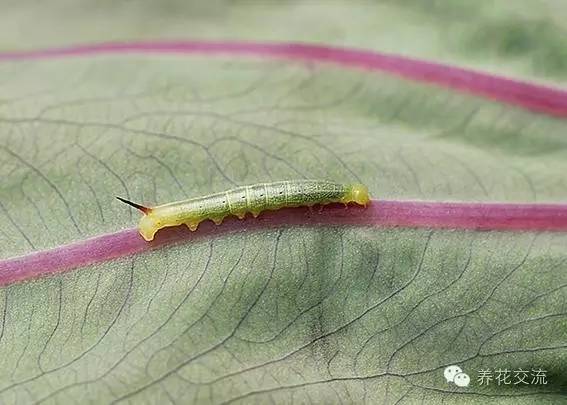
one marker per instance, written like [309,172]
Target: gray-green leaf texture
[289,315]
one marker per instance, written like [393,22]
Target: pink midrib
[412,214]
[526,95]
[477,216]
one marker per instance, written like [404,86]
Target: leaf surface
[290,315]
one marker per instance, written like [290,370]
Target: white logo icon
[454,374]
[451,372]
[462,380]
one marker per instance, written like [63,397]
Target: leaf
[522,40]
[293,314]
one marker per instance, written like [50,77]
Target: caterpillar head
[358,193]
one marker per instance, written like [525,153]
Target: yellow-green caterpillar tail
[145,210]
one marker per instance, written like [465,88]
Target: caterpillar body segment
[247,199]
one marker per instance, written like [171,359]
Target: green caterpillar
[254,199]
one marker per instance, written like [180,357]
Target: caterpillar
[253,198]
